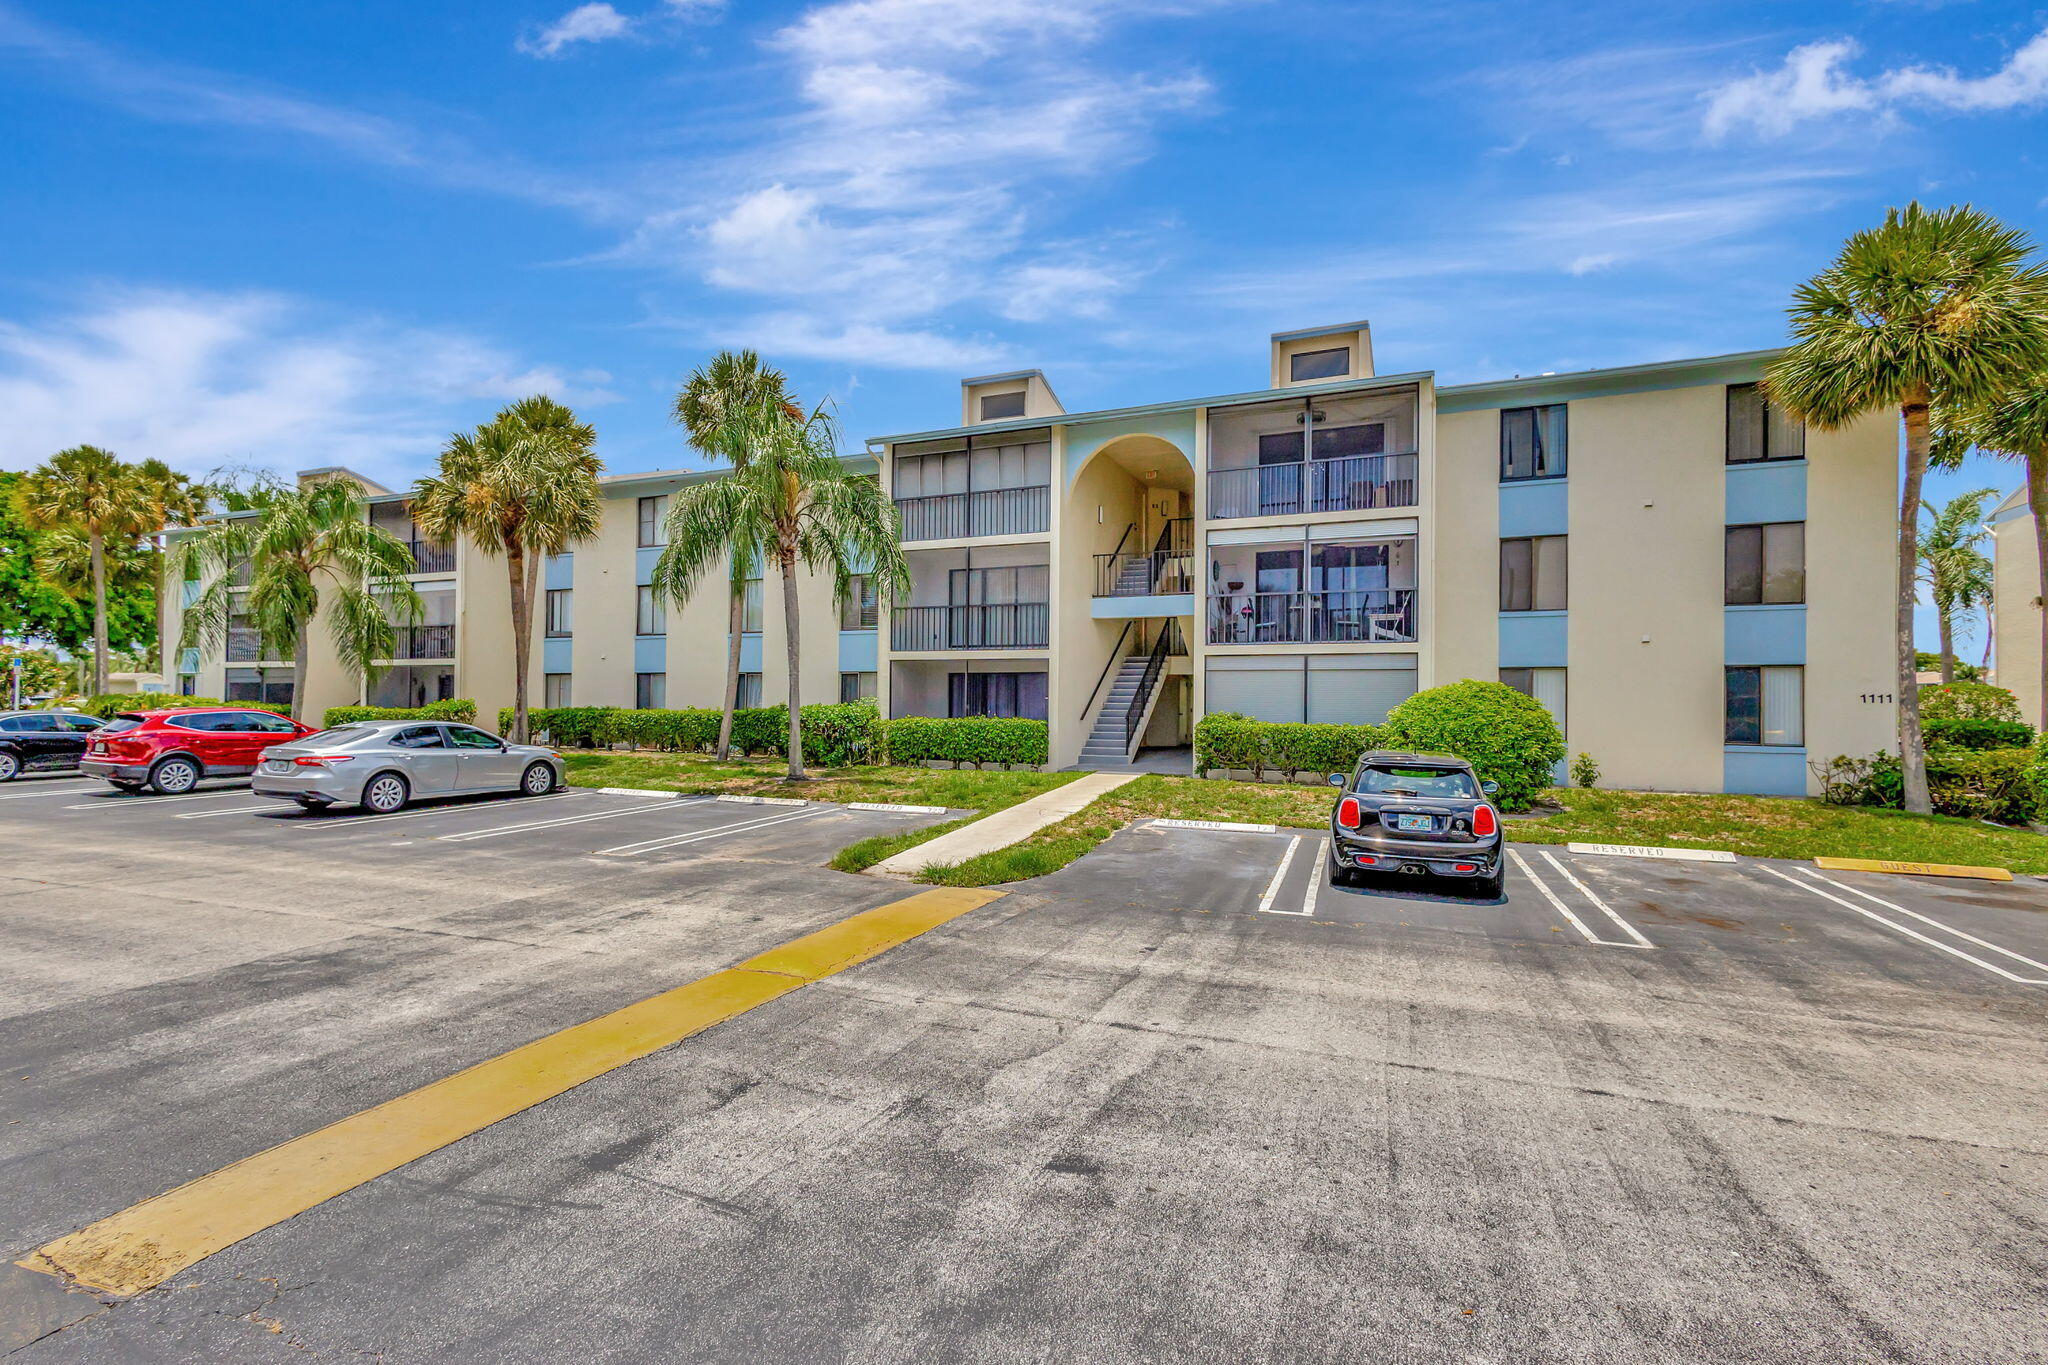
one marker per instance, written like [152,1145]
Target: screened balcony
[996,598]
[1355,591]
[395,520]
[993,485]
[1348,453]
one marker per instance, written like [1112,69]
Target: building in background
[2016,603]
[1699,589]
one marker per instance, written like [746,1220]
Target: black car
[42,741]
[1416,813]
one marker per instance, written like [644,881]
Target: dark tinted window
[995,405]
[341,734]
[121,725]
[253,722]
[418,737]
[463,737]
[1332,364]
[194,720]
[83,724]
[1398,781]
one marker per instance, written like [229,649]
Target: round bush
[1968,701]
[1507,736]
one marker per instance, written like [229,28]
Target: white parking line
[53,791]
[1279,875]
[231,810]
[1587,892]
[1320,862]
[1929,919]
[1562,908]
[1914,933]
[125,802]
[716,832]
[357,822]
[464,836]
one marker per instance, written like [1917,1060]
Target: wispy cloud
[598,22]
[1815,82]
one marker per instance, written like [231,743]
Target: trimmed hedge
[966,739]
[114,703]
[455,708]
[1225,739]
[2006,785]
[1967,701]
[1971,733]
[834,735]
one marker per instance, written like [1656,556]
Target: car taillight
[1484,821]
[1348,813]
[322,760]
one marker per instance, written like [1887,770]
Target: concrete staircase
[1105,747]
[1134,578]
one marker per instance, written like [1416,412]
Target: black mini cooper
[1416,813]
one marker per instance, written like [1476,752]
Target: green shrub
[1968,701]
[1585,772]
[966,739]
[2006,785]
[1507,736]
[114,703]
[1970,733]
[455,708]
[839,735]
[1227,740]
[834,735]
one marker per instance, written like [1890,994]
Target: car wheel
[1489,887]
[385,793]
[174,776]
[10,767]
[537,780]
[1341,875]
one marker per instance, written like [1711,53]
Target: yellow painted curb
[1988,874]
[143,1246]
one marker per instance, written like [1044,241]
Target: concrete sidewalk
[1005,827]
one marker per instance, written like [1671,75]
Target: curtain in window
[1784,706]
[1745,423]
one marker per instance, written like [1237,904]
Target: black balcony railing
[1351,616]
[430,558]
[1352,484]
[424,642]
[994,625]
[245,644]
[1146,575]
[992,512]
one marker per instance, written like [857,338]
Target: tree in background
[311,550]
[2013,423]
[523,486]
[1954,566]
[1933,305]
[791,495]
[42,673]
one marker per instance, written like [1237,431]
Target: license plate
[276,765]
[1422,823]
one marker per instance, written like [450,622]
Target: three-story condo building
[1699,589]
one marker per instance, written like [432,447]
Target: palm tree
[525,486]
[794,499]
[92,494]
[2014,424]
[710,406]
[1956,571]
[1931,306]
[310,549]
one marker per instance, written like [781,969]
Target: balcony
[423,642]
[245,644]
[991,512]
[1352,484]
[994,625]
[431,558]
[1355,616]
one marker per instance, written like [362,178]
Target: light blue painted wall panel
[1535,508]
[1760,770]
[857,651]
[750,653]
[1124,608]
[559,572]
[555,655]
[650,654]
[1764,635]
[643,566]
[1766,492]
[1533,639]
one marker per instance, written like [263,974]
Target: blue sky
[333,231]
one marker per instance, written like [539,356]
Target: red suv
[172,750]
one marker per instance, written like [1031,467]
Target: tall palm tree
[710,407]
[1933,305]
[792,497]
[1954,567]
[91,493]
[524,486]
[310,549]
[2014,424]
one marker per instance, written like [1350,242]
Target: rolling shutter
[1264,687]
[1358,689]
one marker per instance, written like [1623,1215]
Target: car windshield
[1398,781]
[120,724]
[340,734]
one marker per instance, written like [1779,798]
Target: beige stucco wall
[1084,643]
[1851,589]
[2016,616]
[601,645]
[1464,552]
[1648,508]
[483,635]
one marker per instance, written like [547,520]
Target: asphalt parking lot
[1180,1101]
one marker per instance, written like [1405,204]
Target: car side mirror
[1490,788]
[1338,779]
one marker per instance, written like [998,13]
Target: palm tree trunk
[522,635]
[1912,757]
[1948,644]
[302,652]
[734,621]
[2037,502]
[789,633]
[98,550]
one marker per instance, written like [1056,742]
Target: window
[1532,442]
[650,613]
[750,690]
[995,405]
[418,737]
[650,691]
[1767,706]
[38,723]
[270,686]
[554,690]
[466,737]
[996,694]
[1766,564]
[1546,685]
[253,723]
[1532,574]
[188,684]
[561,617]
[857,612]
[1330,364]
[653,521]
[750,608]
[1758,430]
[856,687]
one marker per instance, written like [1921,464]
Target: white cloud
[592,23]
[861,343]
[200,380]
[1814,82]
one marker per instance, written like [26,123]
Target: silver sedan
[381,765]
